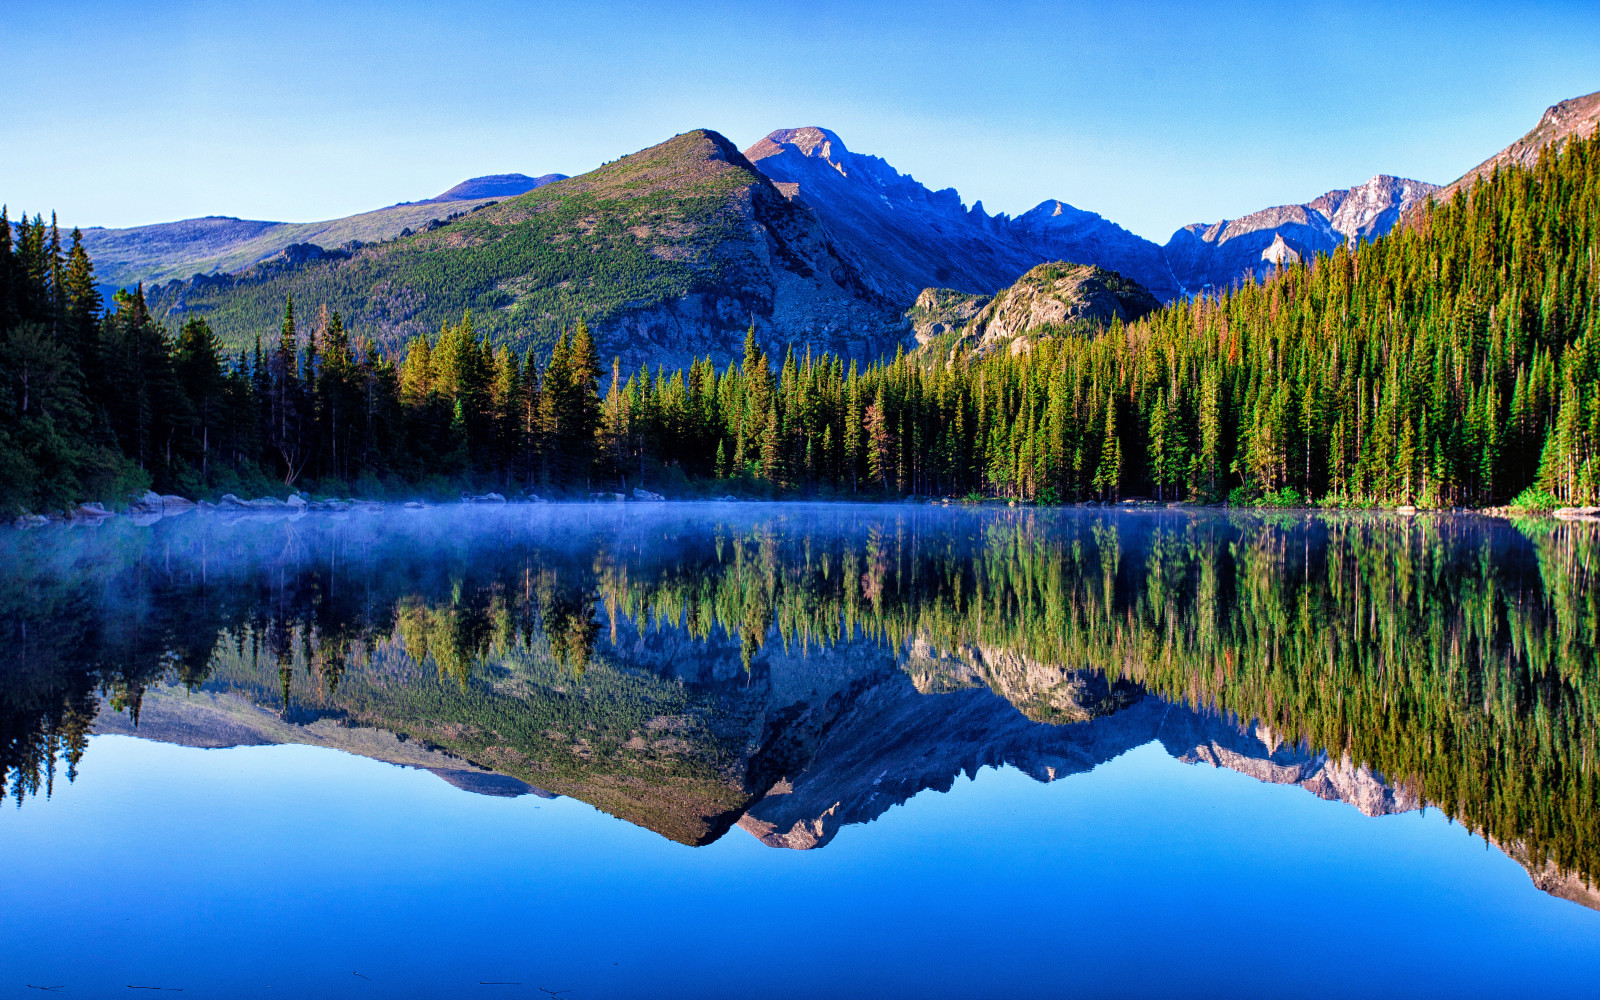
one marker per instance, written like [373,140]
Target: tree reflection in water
[672,665]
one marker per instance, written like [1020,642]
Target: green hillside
[179,250]
[687,216]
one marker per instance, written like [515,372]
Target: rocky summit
[1058,297]
[904,237]
[1560,122]
[670,253]
[1217,255]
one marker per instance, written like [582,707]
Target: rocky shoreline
[152,506]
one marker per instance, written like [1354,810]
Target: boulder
[639,494]
[25,521]
[330,505]
[170,502]
[296,502]
[150,503]
[414,505]
[1578,513]
[607,495]
[90,512]
[483,498]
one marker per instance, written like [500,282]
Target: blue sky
[1154,115]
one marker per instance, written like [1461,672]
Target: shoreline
[153,507]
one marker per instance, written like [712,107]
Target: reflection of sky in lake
[284,871]
[815,673]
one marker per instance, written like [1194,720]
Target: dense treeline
[1456,361]
[1453,362]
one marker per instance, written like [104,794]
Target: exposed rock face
[904,237]
[1060,232]
[1218,255]
[939,311]
[1255,750]
[1064,297]
[1576,117]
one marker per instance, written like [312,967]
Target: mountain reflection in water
[795,669]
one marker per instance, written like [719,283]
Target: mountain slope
[167,250]
[496,186]
[905,238]
[668,253]
[1054,297]
[1576,117]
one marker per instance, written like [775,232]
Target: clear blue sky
[1154,115]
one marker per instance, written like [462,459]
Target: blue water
[882,691]
[304,872]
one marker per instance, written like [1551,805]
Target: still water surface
[800,751]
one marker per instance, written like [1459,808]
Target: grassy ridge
[648,228]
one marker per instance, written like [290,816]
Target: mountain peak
[812,140]
[1577,116]
[496,186]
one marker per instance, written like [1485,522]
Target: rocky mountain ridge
[1220,254]
[914,238]
[1578,116]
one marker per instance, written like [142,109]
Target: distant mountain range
[835,259]
[166,250]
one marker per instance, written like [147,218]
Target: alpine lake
[747,750]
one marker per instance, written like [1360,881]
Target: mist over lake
[673,749]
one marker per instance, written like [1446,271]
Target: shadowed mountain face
[904,237]
[795,670]
[911,238]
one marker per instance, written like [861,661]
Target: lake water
[733,750]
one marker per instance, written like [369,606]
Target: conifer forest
[1454,362]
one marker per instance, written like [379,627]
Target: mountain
[167,250]
[848,244]
[1575,117]
[496,186]
[1218,255]
[668,254]
[905,238]
[1057,296]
